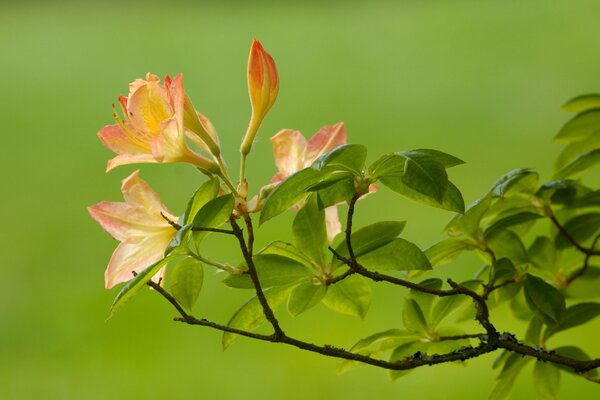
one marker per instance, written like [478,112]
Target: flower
[138,224]
[293,152]
[263,87]
[157,120]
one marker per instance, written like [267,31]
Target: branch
[571,239]
[586,262]
[197,228]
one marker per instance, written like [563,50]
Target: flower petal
[332,223]
[130,257]
[288,149]
[148,105]
[116,139]
[326,139]
[125,159]
[138,193]
[125,221]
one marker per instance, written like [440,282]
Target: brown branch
[247,250]
[588,252]
[586,263]
[197,228]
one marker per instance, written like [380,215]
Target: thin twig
[197,228]
[591,251]
[586,263]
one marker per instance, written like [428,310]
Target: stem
[243,168]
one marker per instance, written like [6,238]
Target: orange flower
[139,226]
[157,120]
[263,86]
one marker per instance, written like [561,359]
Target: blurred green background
[482,80]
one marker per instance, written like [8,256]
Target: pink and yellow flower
[263,87]
[157,120]
[293,152]
[138,224]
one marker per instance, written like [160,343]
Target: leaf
[347,157]
[575,315]
[546,380]
[452,198]
[575,353]
[371,237]
[511,221]
[250,315]
[534,331]
[289,192]
[501,271]
[542,253]
[387,165]
[206,192]
[304,296]
[544,298]
[309,232]
[445,307]
[447,160]
[508,244]
[468,223]
[580,164]
[413,317]
[178,240]
[351,296]
[211,215]
[587,285]
[505,381]
[185,279]
[582,103]
[424,175]
[521,180]
[133,286]
[341,191]
[445,251]
[400,353]
[425,300]
[287,250]
[581,228]
[331,180]
[399,255]
[572,150]
[579,127]
[272,270]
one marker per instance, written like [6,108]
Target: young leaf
[400,353]
[425,300]
[206,192]
[304,296]
[347,157]
[351,296]
[505,381]
[575,315]
[413,317]
[544,298]
[468,223]
[250,315]
[185,279]
[309,232]
[372,237]
[579,127]
[580,164]
[211,215]
[521,180]
[445,251]
[287,250]
[133,286]
[581,228]
[399,255]
[546,380]
[582,103]
[445,307]
[289,192]
[272,270]
[572,150]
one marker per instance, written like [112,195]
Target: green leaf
[250,315]
[425,300]
[341,191]
[445,251]
[580,164]
[309,232]
[287,250]
[542,253]
[400,353]
[579,127]
[505,381]
[446,307]
[424,175]
[575,353]
[521,180]
[178,240]
[387,165]
[581,228]
[591,199]
[289,192]
[508,244]
[371,237]
[351,296]
[575,315]
[572,150]
[211,215]
[546,380]
[304,296]
[586,286]
[452,198]
[413,317]
[206,192]
[501,271]
[185,279]
[331,180]
[347,157]
[272,270]
[582,103]
[468,223]
[399,255]
[534,331]
[544,298]
[511,221]
[133,286]
[447,160]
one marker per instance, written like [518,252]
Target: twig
[591,251]
[586,262]
[197,228]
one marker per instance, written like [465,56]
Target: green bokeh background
[482,80]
